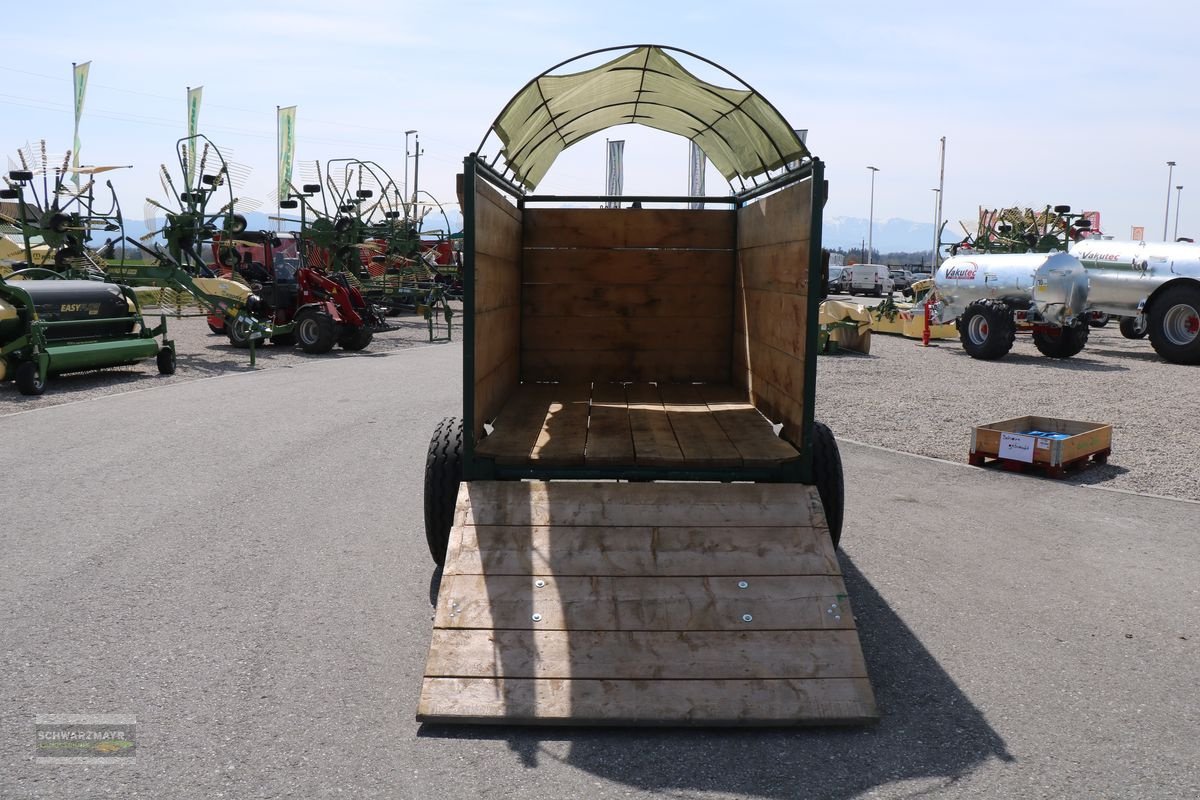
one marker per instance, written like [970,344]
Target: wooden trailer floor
[644,424]
[643,603]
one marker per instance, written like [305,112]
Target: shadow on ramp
[930,733]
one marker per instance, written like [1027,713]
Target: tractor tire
[239,335]
[356,339]
[1135,327]
[315,331]
[166,361]
[1175,324]
[29,379]
[1099,322]
[284,340]
[986,330]
[443,474]
[827,477]
[1061,342]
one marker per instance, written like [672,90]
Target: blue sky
[1077,103]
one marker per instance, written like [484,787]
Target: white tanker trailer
[1153,286]
[995,294]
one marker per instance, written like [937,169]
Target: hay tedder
[57,313]
[636,513]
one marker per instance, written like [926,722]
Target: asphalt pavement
[239,564]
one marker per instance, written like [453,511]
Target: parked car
[839,280]
[902,279]
[873,279]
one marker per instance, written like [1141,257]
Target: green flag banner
[287,148]
[80,81]
[193,112]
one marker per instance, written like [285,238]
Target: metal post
[937,216]
[937,198]
[416,170]
[1167,213]
[871,220]
[406,135]
[1178,192]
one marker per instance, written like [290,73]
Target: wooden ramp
[643,603]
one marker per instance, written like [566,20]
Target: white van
[874,279]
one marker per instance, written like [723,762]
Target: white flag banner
[697,162]
[79,79]
[193,114]
[287,149]
[616,169]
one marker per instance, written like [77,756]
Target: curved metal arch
[624,49]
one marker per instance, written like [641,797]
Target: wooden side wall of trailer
[497,302]
[771,305]
[627,294]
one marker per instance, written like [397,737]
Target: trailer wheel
[443,474]
[1061,342]
[1175,324]
[1098,321]
[166,361]
[827,476]
[1135,327]
[29,379]
[356,339]
[316,331]
[986,330]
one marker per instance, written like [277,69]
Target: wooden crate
[1077,444]
[589,603]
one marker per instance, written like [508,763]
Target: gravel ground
[926,400]
[201,354]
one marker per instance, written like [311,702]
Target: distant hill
[893,235]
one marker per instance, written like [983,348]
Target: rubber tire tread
[1176,354]
[828,478]
[165,361]
[1129,328]
[326,337]
[443,474]
[356,339]
[1067,344]
[1002,332]
[29,382]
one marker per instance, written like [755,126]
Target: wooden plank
[625,300]
[492,392]
[497,283]
[497,227]
[704,702]
[750,432]
[497,338]
[610,504]
[785,216]
[741,552]
[779,267]
[778,320]
[701,440]
[608,266]
[564,433]
[611,366]
[600,227]
[643,603]
[633,334]
[609,437]
[645,655]
[654,441]
[518,425]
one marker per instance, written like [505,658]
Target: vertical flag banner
[193,112]
[287,148]
[696,163]
[79,79]
[616,168]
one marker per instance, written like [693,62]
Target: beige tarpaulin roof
[740,132]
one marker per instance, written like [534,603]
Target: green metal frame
[477,468]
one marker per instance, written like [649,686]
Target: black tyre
[1099,321]
[1135,327]
[827,477]
[315,331]
[356,339]
[29,379]
[986,330]
[284,340]
[1061,342]
[1175,324]
[238,331]
[166,361]
[443,474]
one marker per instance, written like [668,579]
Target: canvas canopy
[741,133]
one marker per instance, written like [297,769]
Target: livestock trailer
[636,513]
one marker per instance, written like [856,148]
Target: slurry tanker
[1154,288]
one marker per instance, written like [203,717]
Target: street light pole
[937,201]
[1178,192]
[871,220]
[1167,213]
[406,135]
